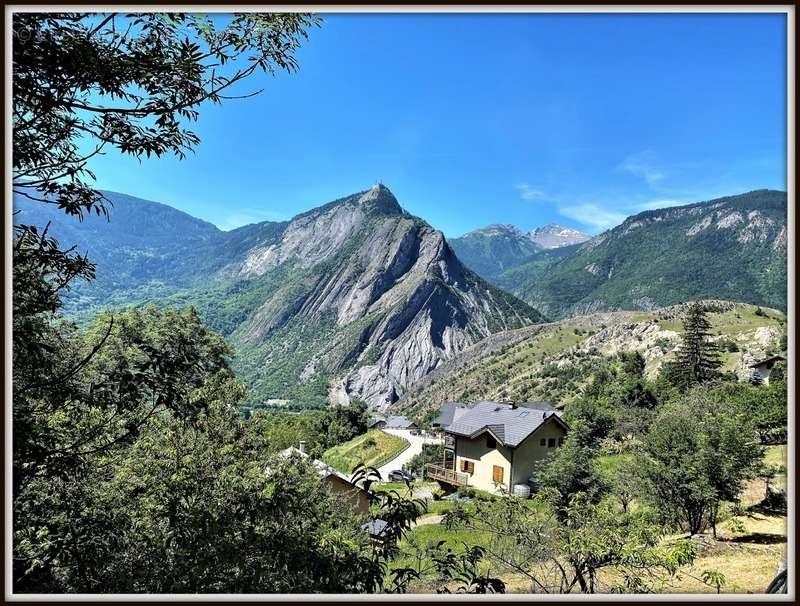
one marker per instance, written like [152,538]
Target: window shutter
[497,473]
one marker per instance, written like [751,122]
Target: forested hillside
[730,248]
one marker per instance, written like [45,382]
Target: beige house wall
[352,495]
[530,452]
[484,459]
[524,457]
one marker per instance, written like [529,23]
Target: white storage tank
[522,491]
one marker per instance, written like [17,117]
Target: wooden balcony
[448,476]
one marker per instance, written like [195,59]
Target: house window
[467,466]
[551,442]
[491,442]
[560,441]
[543,442]
[497,473]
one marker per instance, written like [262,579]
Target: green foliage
[431,453]
[697,454]
[764,405]
[697,358]
[714,578]
[621,475]
[572,469]
[373,448]
[562,548]
[320,429]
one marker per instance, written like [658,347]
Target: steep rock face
[353,299]
[366,263]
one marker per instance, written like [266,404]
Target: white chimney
[303,446]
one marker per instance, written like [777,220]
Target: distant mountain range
[556,236]
[491,250]
[731,248]
[359,299]
[354,299]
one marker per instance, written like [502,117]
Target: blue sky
[477,119]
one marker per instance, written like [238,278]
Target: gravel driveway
[405,456]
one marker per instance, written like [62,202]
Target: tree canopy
[83,82]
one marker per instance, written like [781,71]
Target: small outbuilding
[336,481]
[377,423]
[763,368]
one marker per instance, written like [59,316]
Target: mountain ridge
[491,250]
[554,235]
[352,299]
[731,248]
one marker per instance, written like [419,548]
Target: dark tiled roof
[766,360]
[398,423]
[509,425]
[447,413]
[375,527]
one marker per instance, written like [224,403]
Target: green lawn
[372,448]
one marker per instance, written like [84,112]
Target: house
[762,368]
[392,423]
[448,413]
[336,481]
[377,423]
[496,445]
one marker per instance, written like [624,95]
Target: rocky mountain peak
[380,198]
[502,229]
[553,235]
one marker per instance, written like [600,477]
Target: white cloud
[593,216]
[526,192]
[643,165]
[246,216]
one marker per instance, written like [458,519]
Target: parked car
[398,475]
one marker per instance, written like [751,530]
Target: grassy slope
[373,448]
[524,369]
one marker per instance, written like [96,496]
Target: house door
[497,474]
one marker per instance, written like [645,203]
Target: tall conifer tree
[697,358]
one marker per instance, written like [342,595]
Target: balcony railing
[443,474]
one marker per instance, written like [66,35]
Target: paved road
[405,456]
